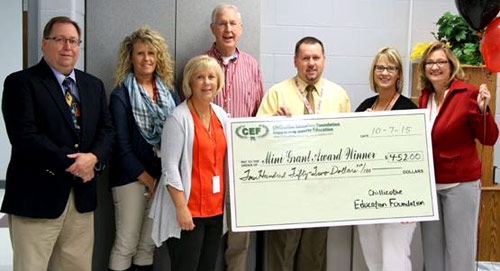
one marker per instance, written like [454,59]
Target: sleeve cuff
[99,167]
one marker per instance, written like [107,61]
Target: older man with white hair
[240,97]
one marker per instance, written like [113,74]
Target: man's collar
[60,76]
[219,56]
[303,84]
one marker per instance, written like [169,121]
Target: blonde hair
[392,55]
[201,62]
[456,68]
[164,64]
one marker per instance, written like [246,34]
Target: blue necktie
[73,104]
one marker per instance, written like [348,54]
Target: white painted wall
[11,54]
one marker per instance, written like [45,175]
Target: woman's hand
[483,98]
[149,182]
[185,219]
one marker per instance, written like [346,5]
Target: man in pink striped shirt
[242,91]
[240,97]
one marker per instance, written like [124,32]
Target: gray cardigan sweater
[177,160]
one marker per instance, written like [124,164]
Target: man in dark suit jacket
[61,134]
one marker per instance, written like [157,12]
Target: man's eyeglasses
[61,41]
[439,63]
[224,24]
[390,69]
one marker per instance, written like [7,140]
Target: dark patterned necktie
[73,104]
[310,98]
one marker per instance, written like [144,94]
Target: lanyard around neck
[210,130]
[306,102]
[228,85]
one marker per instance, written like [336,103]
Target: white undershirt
[434,110]
[226,59]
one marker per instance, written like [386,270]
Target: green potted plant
[463,40]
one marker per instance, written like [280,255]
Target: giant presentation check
[328,170]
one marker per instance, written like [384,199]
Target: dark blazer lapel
[85,101]
[50,83]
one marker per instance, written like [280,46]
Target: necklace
[388,105]
[198,116]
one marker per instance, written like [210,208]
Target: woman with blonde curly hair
[140,103]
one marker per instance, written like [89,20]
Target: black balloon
[478,13]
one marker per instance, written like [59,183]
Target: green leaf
[461,35]
[464,40]
[447,30]
[469,49]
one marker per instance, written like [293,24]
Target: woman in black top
[386,246]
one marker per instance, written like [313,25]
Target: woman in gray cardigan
[188,209]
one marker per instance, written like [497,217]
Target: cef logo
[252,132]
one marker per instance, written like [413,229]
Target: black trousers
[197,249]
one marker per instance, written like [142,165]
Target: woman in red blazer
[459,114]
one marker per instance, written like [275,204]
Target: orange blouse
[209,150]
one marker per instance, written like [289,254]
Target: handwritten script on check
[328,170]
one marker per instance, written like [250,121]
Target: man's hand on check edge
[283,111]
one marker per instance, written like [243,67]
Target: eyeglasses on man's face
[389,69]
[62,41]
[221,24]
[439,63]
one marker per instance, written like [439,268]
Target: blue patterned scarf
[149,116]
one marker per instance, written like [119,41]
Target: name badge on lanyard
[215,184]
